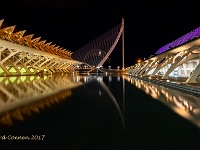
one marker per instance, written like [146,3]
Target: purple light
[182,40]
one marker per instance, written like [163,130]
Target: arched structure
[96,52]
[94,56]
[180,58]
[22,54]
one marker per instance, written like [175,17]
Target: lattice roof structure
[180,41]
[7,33]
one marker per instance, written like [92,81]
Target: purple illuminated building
[180,41]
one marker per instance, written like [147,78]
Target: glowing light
[23,78]
[154,95]
[12,70]
[32,70]
[182,40]
[110,79]
[12,79]
[1,71]
[182,112]
[2,79]
[23,70]
[99,92]
[45,77]
[32,78]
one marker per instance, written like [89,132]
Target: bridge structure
[97,52]
[22,54]
[180,59]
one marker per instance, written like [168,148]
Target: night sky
[73,23]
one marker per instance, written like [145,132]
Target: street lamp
[139,60]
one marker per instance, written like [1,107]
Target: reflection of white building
[179,58]
[187,106]
[26,95]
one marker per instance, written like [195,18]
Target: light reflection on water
[25,95]
[97,111]
[31,94]
[184,105]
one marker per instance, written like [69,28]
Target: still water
[95,112]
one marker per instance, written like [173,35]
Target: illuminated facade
[180,58]
[24,55]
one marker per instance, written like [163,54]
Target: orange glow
[139,60]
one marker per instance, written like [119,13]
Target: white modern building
[180,58]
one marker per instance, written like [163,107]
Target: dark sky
[73,23]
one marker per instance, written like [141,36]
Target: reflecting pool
[95,112]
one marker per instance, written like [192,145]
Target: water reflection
[26,95]
[185,105]
[93,114]
[111,96]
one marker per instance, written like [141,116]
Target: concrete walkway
[181,80]
[177,84]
